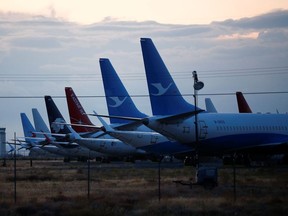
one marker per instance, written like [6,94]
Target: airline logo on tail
[58,127]
[160,88]
[117,101]
[76,121]
[77,103]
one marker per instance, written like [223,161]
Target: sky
[162,11]
[233,45]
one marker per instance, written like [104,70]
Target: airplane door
[203,129]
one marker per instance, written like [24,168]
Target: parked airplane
[40,125]
[58,126]
[149,141]
[137,135]
[50,145]
[217,132]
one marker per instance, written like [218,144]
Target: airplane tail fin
[210,106]
[55,117]
[39,123]
[164,94]
[119,102]
[243,106]
[28,128]
[77,113]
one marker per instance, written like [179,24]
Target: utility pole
[15,167]
[197,86]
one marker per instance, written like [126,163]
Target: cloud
[42,43]
[235,36]
[275,19]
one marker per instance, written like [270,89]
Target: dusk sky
[48,45]
[162,11]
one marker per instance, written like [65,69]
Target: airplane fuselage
[217,132]
[151,142]
[109,146]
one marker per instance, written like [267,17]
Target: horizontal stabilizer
[78,125]
[178,116]
[106,126]
[119,117]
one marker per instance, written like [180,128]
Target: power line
[146,95]
[217,73]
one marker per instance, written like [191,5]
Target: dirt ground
[52,187]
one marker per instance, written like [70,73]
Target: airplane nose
[145,121]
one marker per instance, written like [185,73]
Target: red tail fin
[77,113]
[243,106]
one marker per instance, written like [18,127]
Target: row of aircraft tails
[169,131]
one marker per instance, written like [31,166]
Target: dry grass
[57,188]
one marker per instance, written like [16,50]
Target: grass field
[57,188]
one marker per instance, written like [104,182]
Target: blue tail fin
[210,106]
[39,123]
[55,116]
[164,95]
[119,102]
[28,128]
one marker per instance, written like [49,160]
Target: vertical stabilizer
[39,123]
[119,102]
[28,128]
[210,106]
[243,106]
[55,117]
[77,113]
[164,94]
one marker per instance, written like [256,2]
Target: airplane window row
[252,128]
